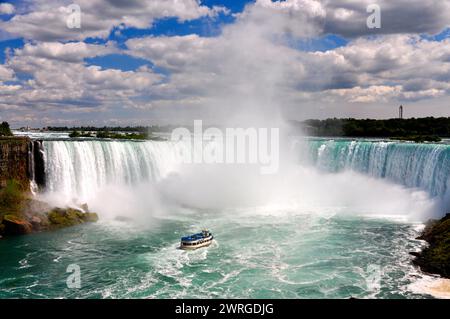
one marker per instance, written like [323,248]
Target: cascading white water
[424,166]
[78,169]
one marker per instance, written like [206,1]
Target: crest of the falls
[423,166]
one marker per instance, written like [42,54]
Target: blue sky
[327,63]
[204,27]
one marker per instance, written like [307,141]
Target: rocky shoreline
[435,258]
[21,213]
[31,222]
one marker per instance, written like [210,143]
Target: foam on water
[311,231]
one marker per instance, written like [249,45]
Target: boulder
[14,225]
[39,222]
[60,217]
[90,217]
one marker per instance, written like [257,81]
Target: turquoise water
[337,224]
[283,254]
[425,166]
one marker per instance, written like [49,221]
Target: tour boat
[195,241]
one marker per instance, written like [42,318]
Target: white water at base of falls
[77,171]
[422,166]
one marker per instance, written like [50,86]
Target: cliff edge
[15,161]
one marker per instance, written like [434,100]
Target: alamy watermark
[374,19]
[74,279]
[73,20]
[230,146]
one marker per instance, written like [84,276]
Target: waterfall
[77,169]
[36,165]
[424,166]
[31,168]
[39,164]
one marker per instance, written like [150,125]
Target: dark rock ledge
[435,258]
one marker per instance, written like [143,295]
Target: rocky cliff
[22,160]
[15,161]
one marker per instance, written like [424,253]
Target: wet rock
[90,217]
[64,217]
[39,223]
[436,257]
[14,225]
[60,217]
[21,213]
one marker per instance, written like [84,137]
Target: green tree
[5,130]
[74,134]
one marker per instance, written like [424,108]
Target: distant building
[400,112]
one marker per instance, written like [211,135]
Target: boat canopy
[193,237]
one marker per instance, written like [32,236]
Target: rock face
[14,161]
[13,225]
[22,160]
[436,257]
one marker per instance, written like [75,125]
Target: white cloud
[8,89]
[299,18]
[348,18]
[68,52]
[249,72]
[59,77]
[242,72]
[46,19]
[6,8]
[6,74]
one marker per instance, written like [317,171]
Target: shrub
[11,198]
[5,130]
